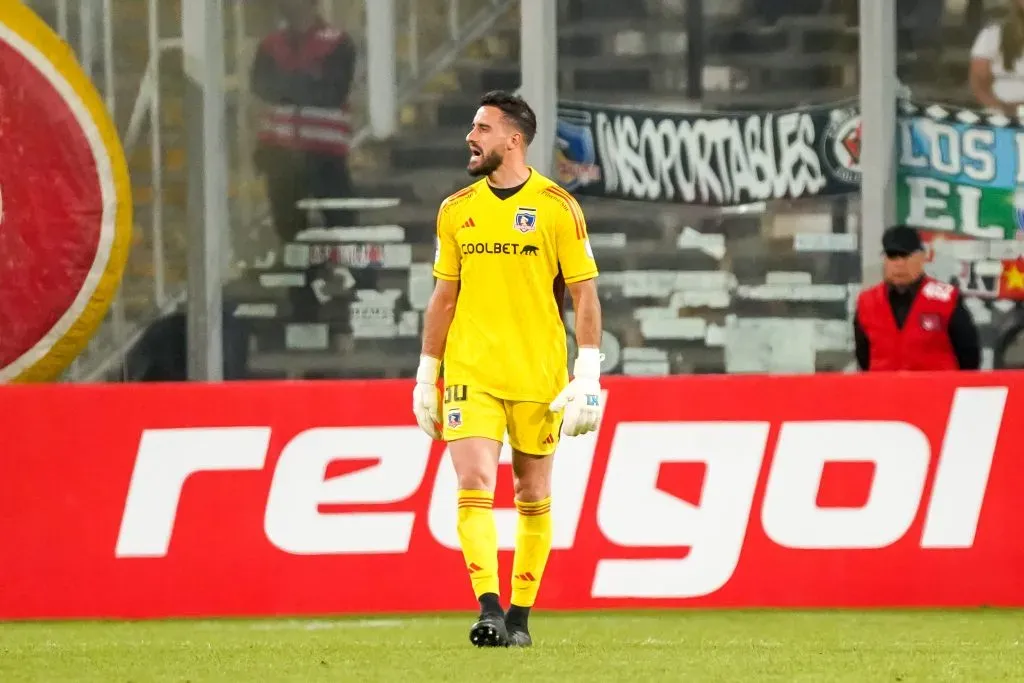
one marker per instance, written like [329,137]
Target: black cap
[901,239]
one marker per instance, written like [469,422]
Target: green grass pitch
[767,645]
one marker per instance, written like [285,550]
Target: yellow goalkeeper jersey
[512,258]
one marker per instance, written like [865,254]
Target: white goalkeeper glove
[425,397]
[581,398]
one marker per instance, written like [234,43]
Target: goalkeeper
[507,247]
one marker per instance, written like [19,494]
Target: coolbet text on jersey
[512,258]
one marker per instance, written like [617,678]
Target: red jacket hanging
[304,79]
[923,342]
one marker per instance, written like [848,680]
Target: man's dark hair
[516,111]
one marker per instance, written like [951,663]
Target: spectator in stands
[302,74]
[997,63]
[161,353]
[911,321]
[922,23]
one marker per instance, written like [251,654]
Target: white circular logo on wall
[841,145]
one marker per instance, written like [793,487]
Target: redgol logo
[631,510]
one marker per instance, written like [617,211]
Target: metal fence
[717,278]
[131,50]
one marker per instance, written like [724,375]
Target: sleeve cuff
[579,278]
[445,276]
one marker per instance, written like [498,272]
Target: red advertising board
[325,498]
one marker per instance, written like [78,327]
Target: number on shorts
[455,393]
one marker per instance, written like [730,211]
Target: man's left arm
[261,76]
[581,399]
[587,307]
[963,336]
[861,344]
[339,70]
[579,269]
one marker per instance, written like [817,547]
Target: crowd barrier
[174,500]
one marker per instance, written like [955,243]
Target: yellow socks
[533,544]
[479,539]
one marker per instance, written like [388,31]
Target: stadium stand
[346,301]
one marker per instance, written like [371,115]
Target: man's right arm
[438,318]
[441,309]
[338,72]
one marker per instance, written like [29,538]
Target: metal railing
[90,29]
[434,33]
[427,38]
[147,108]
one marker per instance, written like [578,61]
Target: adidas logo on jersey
[469,223]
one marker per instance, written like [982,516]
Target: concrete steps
[610,52]
[634,53]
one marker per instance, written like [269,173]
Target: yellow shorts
[531,427]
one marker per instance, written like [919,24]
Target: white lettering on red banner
[695,491]
[295,524]
[632,511]
[166,459]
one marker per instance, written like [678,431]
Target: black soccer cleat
[489,631]
[516,621]
[518,636]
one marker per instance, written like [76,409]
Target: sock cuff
[470,498]
[534,508]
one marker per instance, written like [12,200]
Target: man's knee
[476,478]
[476,463]
[532,482]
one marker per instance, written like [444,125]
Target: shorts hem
[460,437]
[534,455]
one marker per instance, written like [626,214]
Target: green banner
[960,172]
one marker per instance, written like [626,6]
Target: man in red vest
[912,321]
[303,73]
